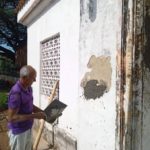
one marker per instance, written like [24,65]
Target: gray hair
[26,71]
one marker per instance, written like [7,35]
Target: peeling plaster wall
[131,115]
[146,80]
[97,77]
[146,111]
[98,80]
[136,72]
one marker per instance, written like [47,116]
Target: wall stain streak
[92,10]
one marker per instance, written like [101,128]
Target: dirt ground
[4,145]
[4,141]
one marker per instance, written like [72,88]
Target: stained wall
[100,26]
[90,39]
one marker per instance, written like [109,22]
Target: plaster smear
[98,81]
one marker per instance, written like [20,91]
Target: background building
[8,68]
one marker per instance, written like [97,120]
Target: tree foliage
[11,32]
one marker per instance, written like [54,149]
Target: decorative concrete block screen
[50,64]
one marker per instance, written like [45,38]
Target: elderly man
[21,110]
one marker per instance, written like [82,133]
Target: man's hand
[40,115]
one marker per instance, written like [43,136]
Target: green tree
[11,32]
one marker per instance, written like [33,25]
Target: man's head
[27,75]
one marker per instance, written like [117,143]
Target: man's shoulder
[15,88]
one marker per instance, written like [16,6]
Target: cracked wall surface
[146,79]
[134,70]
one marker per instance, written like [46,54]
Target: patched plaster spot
[98,81]
[94,90]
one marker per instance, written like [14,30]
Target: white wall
[97,117]
[91,122]
[63,17]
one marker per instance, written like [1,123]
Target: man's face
[31,79]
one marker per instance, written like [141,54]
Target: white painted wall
[91,122]
[62,18]
[97,117]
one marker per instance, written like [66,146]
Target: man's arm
[36,109]
[13,116]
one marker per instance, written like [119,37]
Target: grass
[3,100]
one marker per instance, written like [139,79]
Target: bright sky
[7,47]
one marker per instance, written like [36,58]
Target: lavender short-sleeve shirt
[21,99]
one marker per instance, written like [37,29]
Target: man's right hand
[40,115]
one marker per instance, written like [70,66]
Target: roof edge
[31,10]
